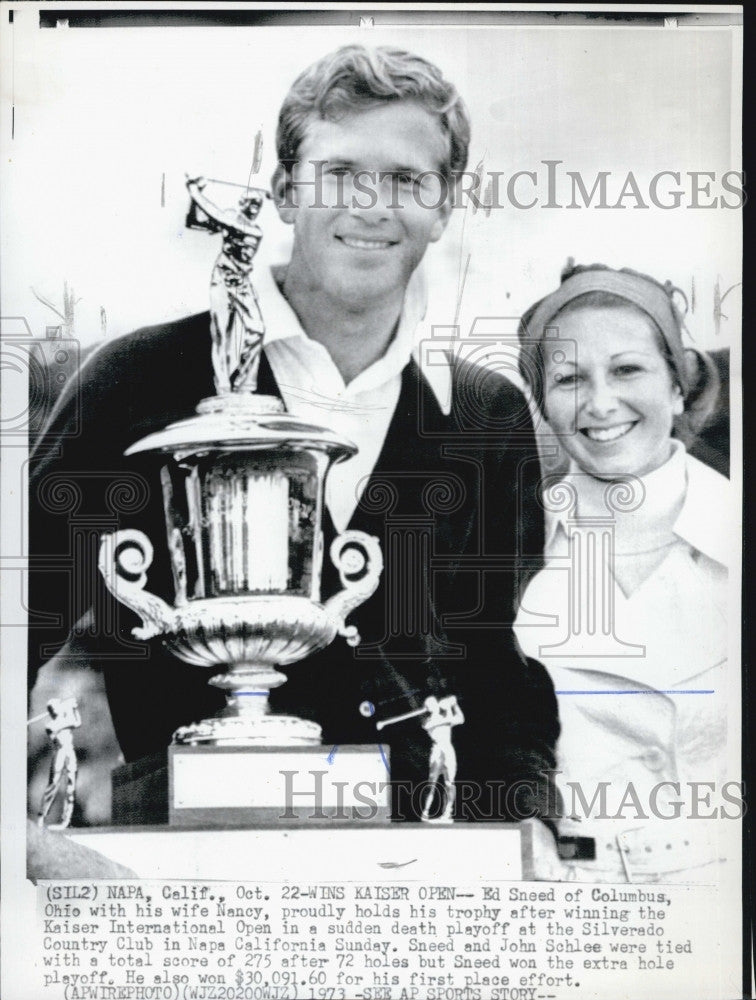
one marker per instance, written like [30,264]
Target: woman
[629,612]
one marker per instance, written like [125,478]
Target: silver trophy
[243,487]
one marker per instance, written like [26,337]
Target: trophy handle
[125,557]
[359,560]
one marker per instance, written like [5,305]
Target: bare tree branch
[46,302]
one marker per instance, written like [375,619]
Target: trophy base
[215,787]
[250,731]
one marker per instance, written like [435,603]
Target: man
[369,142]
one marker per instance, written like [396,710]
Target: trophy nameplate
[243,489]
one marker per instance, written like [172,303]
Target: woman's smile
[603,434]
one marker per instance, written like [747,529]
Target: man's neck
[354,337]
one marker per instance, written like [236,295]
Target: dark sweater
[452,500]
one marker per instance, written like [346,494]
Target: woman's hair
[355,78]
[698,380]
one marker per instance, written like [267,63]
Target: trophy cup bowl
[243,486]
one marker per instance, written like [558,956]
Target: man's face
[380,213]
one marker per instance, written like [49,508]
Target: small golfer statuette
[444,714]
[438,717]
[62,718]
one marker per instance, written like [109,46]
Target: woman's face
[609,393]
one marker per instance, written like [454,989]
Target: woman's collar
[701,521]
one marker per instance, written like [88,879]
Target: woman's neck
[643,512]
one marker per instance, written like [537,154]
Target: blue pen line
[644,691]
[258,694]
[332,755]
[371,711]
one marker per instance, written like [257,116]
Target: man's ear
[284,194]
[442,220]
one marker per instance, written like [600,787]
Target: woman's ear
[693,365]
[678,404]
[284,194]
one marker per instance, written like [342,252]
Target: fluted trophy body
[243,489]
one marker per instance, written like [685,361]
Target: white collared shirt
[674,620]
[312,386]
[684,487]
[641,678]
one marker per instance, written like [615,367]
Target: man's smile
[613,433]
[361,243]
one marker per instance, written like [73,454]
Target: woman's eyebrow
[630,352]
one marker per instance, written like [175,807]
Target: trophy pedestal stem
[246,718]
[243,679]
